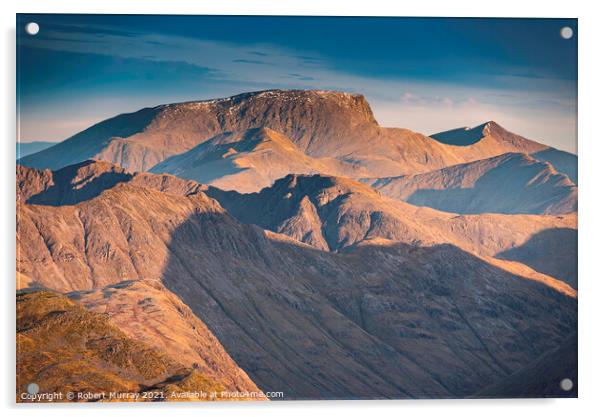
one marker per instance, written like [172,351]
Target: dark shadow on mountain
[543,378]
[507,189]
[398,321]
[461,136]
[564,162]
[70,187]
[559,247]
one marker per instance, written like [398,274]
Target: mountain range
[283,241]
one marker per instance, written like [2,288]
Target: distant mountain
[247,161]
[321,124]
[379,319]
[65,348]
[509,183]
[28,148]
[498,140]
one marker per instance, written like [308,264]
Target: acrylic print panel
[231,208]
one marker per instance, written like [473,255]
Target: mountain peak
[496,135]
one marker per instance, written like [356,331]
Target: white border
[590,164]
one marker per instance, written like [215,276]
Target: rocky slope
[148,312]
[384,319]
[321,124]
[65,348]
[491,137]
[333,213]
[509,183]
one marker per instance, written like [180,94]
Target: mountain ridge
[322,124]
[248,286]
[512,183]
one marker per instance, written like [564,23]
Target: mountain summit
[320,124]
[140,140]
[497,140]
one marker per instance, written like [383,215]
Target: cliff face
[384,319]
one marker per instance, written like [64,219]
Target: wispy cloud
[527,102]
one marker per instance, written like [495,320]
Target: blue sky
[425,74]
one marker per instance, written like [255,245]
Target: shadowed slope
[560,243]
[490,133]
[332,213]
[379,321]
[91,142]
[563,161]
[510,183]
[542,378]
[28,148]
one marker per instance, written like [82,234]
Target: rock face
[381,319]
[510,183]
[65,348]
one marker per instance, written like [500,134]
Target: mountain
[380,319]
[321,124]
[491,137]
[332,213]
[247,161]
[28,148]
[318,122]
[509,183]
[65,348]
